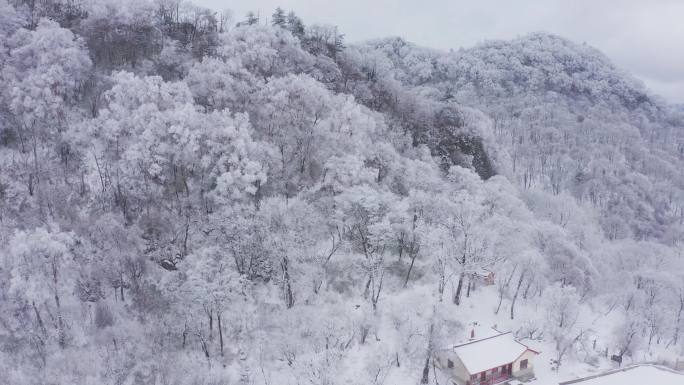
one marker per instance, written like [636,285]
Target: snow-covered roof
[482,272]
[489,353]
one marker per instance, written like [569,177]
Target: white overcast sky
[644,37]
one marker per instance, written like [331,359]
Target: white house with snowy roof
[487,361]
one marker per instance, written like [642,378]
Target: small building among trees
[487,361]
[483,277]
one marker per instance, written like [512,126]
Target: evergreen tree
[251,18]
[295,25]
[278,18]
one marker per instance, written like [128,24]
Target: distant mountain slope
[564,119]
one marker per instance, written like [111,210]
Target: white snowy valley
[190,198]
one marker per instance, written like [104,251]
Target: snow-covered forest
[193,197]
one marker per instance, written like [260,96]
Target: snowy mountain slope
[567,121]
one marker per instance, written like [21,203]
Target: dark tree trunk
[366,290]
[185,334]
[210,314]
[678,320]
[517,290]
[503,288]
[426,368]
[459,288]
[401,246]
[364,334]
[121,287]
[375,296]
[205,348]
[220,329]
[413,248]
[39,319]
[289,297]
[408,273]
[426,371]
[60,321]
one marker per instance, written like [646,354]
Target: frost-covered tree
[562,314]
[42,268]
[45,70]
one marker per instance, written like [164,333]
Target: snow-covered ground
[640,375]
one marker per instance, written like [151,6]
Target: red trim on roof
[527,347]
[521,354]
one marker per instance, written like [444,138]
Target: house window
[523,364]
[495,370]
[450,364]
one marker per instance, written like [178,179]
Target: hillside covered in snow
[190,199]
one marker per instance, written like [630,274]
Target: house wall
[458,372]
[529,356]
